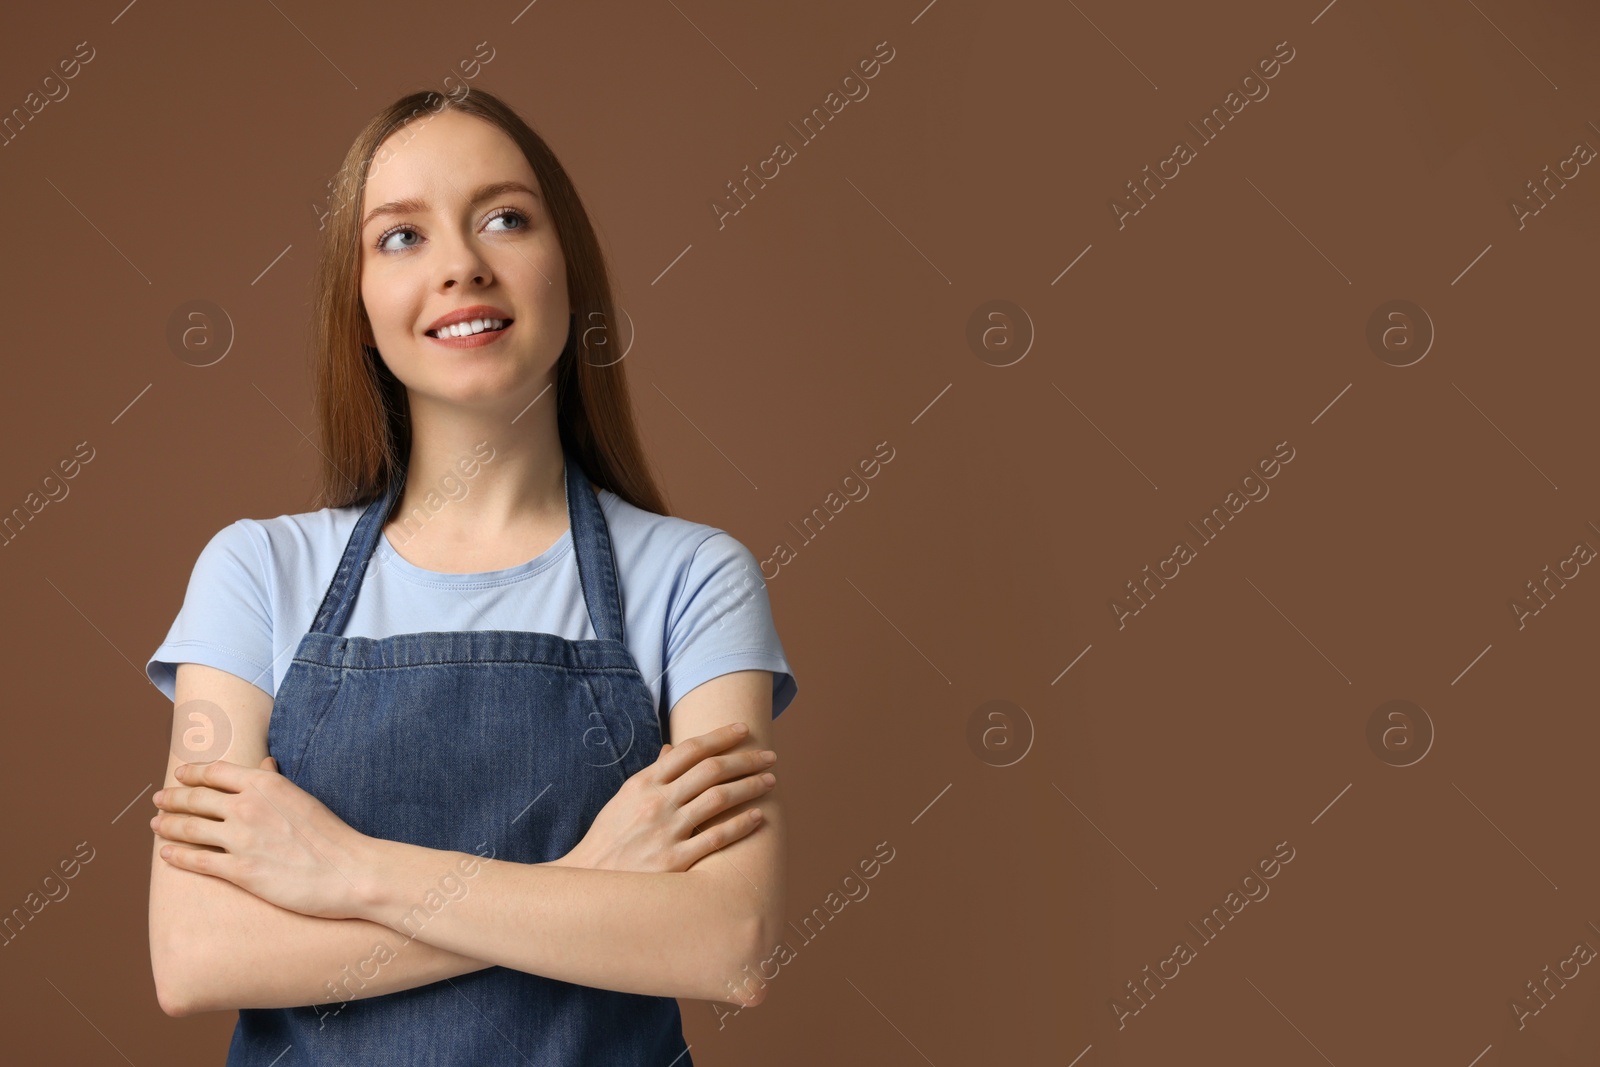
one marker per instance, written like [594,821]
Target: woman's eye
[517,216]
[385,246]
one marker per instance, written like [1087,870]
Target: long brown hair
[362,408]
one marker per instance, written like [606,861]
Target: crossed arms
[215,946]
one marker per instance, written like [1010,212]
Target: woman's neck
[478,499]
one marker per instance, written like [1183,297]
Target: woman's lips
[474,340]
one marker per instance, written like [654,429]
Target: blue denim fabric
[496,743]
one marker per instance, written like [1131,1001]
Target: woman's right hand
[649,825]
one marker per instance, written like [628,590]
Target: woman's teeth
[463,329]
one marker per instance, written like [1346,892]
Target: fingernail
[740,728]
[769,778]
[160,795]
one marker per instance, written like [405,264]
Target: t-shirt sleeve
[226,620]
[721,622]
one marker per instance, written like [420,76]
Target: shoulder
[302,532]
[706,596]
[696,579]
[283,551]
[668,546]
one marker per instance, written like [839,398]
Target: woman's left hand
[276,840]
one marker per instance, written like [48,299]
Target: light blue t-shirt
[694,602]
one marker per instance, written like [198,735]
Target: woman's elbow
[742,975]
[169,1004]
[171,992]
[175,960]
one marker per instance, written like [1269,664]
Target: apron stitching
[316,725]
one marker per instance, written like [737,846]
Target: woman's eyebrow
[416,205]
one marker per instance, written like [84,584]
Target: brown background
[832,314]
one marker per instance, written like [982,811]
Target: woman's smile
[483,332]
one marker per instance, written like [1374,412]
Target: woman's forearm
[217,947]
[676,934]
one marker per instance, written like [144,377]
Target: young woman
[420,806]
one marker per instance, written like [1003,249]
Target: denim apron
[494,743]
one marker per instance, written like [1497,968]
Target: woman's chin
[482,388]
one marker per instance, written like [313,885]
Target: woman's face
[434,242]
